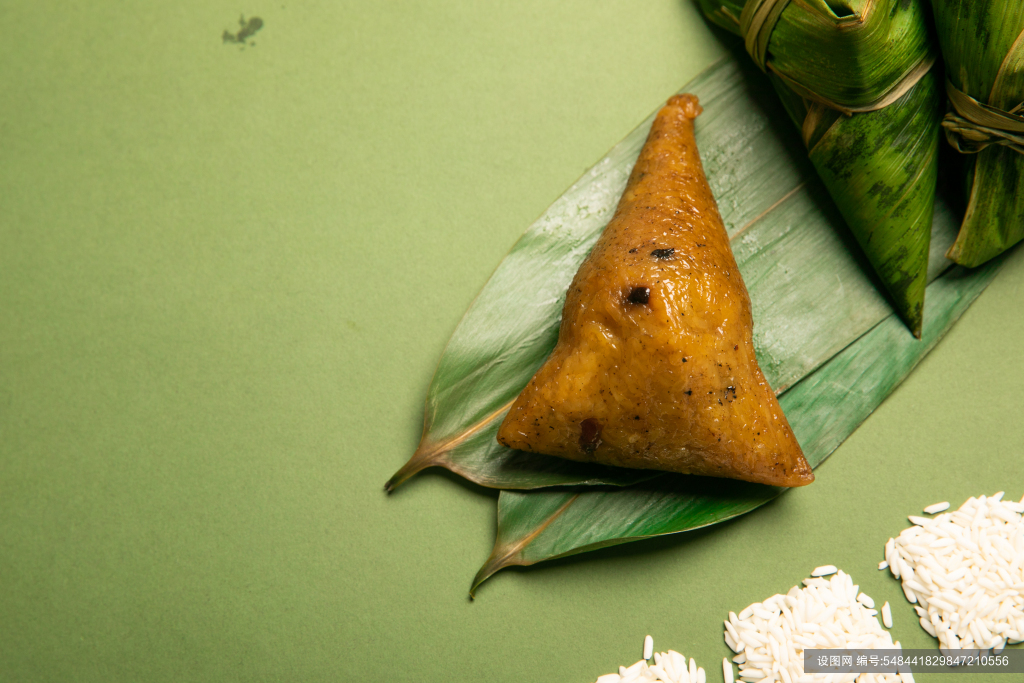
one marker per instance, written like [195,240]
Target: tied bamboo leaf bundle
[983,48]
[855,76]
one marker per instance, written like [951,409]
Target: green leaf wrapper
[983,47]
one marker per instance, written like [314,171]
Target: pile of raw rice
[770,636]
[965,571]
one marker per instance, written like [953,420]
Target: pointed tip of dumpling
[912,314]
[801,476]
[689,104]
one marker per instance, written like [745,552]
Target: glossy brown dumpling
[654,366]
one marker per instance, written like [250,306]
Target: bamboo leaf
[823,409]
[811,295]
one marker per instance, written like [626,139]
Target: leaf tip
[498,560]
[915,326]
[916,321]
[485,573]
[423,458]
[480,577]
[913,318]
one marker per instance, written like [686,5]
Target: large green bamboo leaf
[823,409]
[811,297]
[983,45]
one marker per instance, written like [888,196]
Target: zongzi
[983,45]
[856,78]
[655,366]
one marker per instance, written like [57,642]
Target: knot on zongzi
[973,126]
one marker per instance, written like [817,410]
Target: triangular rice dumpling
[654,366]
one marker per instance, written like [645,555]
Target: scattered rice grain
[668,667]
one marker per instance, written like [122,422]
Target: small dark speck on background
[246,30]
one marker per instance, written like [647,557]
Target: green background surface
[226,275]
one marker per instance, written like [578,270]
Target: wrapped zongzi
[983,47]
[855,77]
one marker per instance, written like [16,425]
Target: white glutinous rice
[668,667]
[938,507]
[826,613]
[886,615]
[727,671]
[965,571]
[824,570]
